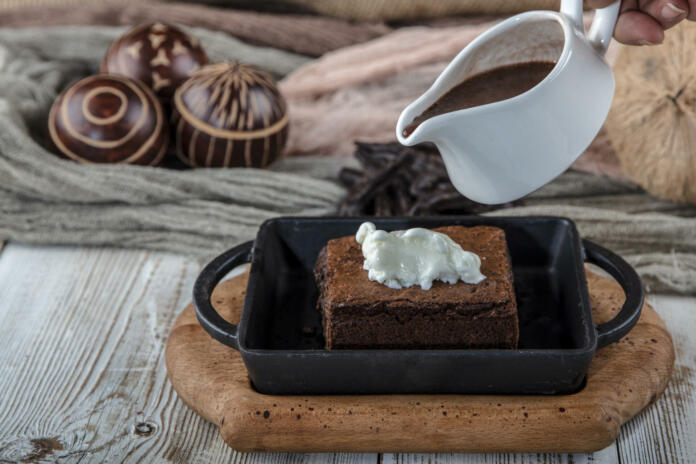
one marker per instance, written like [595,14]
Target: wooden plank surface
[667,431]
[82,371]
[607,455]
[82,375]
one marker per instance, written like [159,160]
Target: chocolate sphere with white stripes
[160,55]
[109,119]
[229,115]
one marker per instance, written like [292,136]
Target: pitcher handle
[602,25]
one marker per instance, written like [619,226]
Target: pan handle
[630,282]
[210,319]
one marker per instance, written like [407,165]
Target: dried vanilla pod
[349,177]
[403,181]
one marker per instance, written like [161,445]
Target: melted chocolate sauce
[487,87]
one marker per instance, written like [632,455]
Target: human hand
[643,22]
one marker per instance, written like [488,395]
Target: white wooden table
[83,379]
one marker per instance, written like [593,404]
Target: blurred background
[344,70]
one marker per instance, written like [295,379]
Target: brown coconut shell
[652,123]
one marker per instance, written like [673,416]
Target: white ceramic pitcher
[504,150]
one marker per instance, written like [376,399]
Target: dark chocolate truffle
[229,115]
[160,55]
[109,119]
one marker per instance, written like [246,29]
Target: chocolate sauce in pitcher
[487,87]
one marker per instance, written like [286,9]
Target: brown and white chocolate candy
[229,115]
[160,55]
[109,119]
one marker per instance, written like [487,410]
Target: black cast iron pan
[280,337]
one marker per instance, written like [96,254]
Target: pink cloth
[358,92]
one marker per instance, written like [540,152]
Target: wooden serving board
[623,379]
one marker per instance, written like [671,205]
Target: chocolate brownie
[360,313]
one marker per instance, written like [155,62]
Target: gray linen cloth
[44,199]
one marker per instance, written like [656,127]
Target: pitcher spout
[411,132]
[412,129]
[408,135]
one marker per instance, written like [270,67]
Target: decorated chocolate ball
[227,115]
[109,119]
[160,55]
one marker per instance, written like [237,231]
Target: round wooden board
[623,379]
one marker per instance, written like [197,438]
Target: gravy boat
[501,151]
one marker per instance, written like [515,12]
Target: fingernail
[645,42]
[670,12]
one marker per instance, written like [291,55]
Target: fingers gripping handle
[602,26]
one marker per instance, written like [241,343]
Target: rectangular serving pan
[280,335]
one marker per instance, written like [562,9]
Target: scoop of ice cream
[403,258]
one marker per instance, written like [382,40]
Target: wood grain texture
[665,433]
[606,456]
[662,433]
[623,379]
[82,376]
[79,366]
[43,287]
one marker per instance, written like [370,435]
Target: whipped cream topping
[404,258]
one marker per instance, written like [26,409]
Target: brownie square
[359,313]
